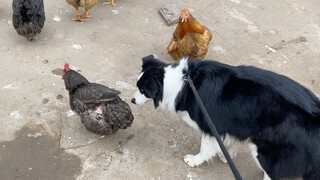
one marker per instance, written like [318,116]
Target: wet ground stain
[36,155]
[57,72]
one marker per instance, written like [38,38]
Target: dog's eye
[142,91]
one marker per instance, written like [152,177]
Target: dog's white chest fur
[172,84]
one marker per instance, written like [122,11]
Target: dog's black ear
[159,94]
[153,93]
[147,58]
[156,103]
[154,90]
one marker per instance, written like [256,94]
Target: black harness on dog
[213,129]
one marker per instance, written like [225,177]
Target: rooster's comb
[184,10]
[66,66]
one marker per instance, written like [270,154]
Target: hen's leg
[85,15]
[109,2]
[254,153]
[77,18]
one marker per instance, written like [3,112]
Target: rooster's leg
[77,16]
[85,15]
[109,2]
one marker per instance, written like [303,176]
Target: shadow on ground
[34,154]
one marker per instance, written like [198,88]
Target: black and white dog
[279,118]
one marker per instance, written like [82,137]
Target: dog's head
[150,81]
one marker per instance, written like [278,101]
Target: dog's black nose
[133,100]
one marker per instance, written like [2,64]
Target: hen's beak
[184,18]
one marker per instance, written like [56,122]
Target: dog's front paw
[193,160]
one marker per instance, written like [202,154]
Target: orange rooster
[190,38]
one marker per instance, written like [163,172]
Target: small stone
[115,11]
[170,13]
[192,175]
[16,114]
[131,136]
[45,61]
[45,100]
[302,39]
[56,18]
[10,86]
[123,85]
[172,143]
[236,1]
[77,46]
[313,81]
[59,96]
[70,113]
[273,32]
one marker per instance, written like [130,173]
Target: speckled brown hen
[189,39]
[87,4]
[100,108]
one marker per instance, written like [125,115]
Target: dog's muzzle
[139,98]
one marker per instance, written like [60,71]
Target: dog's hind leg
[311,176]
[254,153]
[232,146]
[209,148]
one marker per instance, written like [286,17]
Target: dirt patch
[34,154]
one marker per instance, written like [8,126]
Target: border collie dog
[279,118]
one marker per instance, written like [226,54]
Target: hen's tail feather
[118,114]
[28,30]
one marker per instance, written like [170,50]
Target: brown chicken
[109,2]
[189,39]
[87,4]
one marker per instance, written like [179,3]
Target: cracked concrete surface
[282,36]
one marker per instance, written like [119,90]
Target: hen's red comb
[66,66]
[184,10]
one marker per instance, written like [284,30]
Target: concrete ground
[41,139]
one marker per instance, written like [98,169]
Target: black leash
[214,131]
